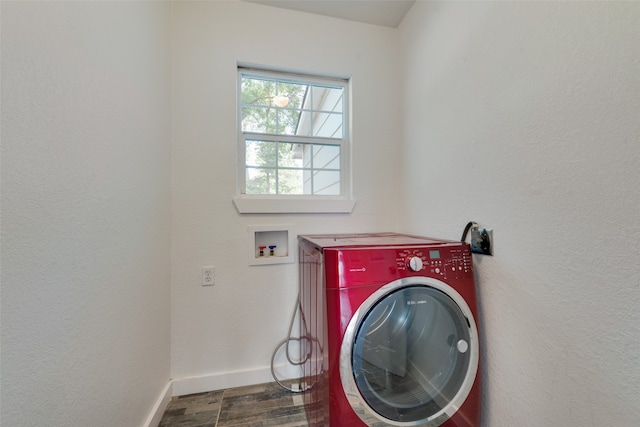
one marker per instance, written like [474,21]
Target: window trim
[308,203]
[252,204]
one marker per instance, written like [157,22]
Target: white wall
[225,334]
[85,212]
[525,117]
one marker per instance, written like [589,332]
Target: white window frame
[278,203]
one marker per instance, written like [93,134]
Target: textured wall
[228,331]
[525,117]
[85,212]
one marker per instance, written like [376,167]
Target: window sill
[258,204]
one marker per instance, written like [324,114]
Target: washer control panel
[436,262]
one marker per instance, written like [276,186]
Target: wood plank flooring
[252,406]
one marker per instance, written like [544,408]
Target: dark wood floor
[255,406]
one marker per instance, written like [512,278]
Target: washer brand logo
[416,302]
[358,270]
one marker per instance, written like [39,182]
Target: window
[293,140]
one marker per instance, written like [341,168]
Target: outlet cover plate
[208,276]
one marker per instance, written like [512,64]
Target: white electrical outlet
[208,276]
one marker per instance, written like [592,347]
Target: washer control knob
[414,263]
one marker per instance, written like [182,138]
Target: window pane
[287,122]
[327,98]
[261,181]
[326,157]
[328,125]
[259,119]
[258,91]
[261,153]
[290,181]
[287,156]
[304,124]
[326,183]
[307,155]
[315,123]
[307,175]
[292,94]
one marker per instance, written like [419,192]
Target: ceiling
[388,13]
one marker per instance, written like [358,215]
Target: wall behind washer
[525,117]
[224,335]
[85,212]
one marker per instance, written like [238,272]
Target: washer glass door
[411,355]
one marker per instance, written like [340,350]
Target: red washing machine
[389,331]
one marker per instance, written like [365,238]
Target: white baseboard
[219,381]
[161,405]
[211,382]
